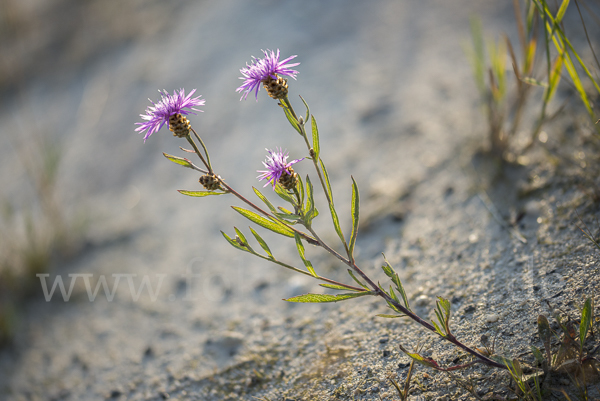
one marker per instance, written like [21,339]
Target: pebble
[491,318]
[422,300]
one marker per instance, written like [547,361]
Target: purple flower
[276,165]
[158,114]
[261,69]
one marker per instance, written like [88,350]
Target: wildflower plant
[295,220]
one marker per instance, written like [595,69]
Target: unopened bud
[276,88]
[210,182]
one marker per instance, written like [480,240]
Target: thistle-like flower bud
[288,179]
[276,88]
[210,182]
[179,125]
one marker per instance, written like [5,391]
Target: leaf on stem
[310,211]
[390,316]
[357,280]
[262,243]
[276,227]
[265,200]
[179,160]
[300,247]
[198,194]
[322,298]
[339,287]
[307,109]
[291,118]
[429,362]
[355,214]
[389,271]
[284,194]
[315,136]
[234,243]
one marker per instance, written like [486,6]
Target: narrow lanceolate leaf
[234,243]
[264,199]
[315,136]
[389,271]
[241,236]
[326,178]
[321,298]
[291,119]
[300,189]
[339,287]
[390,316]
[262,243]
[420,359]
[179,160]
[278,228]
[336,224]
[198,194]
[355,213]
[357,280]
[310,210]
[300,247]
[307,108]
[284,194]
[586,319]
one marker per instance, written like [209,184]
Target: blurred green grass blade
[586,320]
[355,217]
[278,228]
[262,243]
[478,56]
[561,11]
[198,194]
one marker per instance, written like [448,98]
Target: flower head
[262,69]
[277,166]
[159,113]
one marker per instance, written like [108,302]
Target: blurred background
[388,82]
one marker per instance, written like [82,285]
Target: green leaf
[355,214]
[326,178]
[315,136]
[338,287]
[241,235]
[300,247]
[321,298]
[262,243]
[291,119]
[389,271]
[390,316]
[357,280]
[276,227]
[179,160]
[307,109]
[284,194]
[586,319]
[336,224]
[199,194]
[310,211]
[234,243]
[429,362]
[300,189]
[265,200]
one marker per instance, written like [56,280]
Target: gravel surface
[391,88]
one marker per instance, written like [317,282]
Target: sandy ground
[392,91]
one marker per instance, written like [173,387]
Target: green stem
[191,141]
